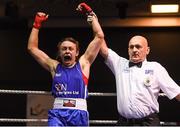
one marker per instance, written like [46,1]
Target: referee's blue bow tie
[135,64]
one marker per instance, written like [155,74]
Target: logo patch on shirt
[151,72]
[126,70]
[61,87]
[58,74]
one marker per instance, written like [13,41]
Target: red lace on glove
[84,8]
[38,21]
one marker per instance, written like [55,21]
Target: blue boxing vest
[69,82]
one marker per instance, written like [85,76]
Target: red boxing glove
[40,17]
[84,8]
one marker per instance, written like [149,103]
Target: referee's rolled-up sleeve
[167,84]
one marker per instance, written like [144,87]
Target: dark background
[19,71]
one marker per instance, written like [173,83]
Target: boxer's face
[68,53]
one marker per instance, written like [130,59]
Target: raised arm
[93,48]
[41,57]
[104,50]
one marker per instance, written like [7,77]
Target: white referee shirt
[138,88]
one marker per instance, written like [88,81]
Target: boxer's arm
[85,9]
[41,57]
[93,48]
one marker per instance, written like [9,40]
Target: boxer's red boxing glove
[84,8]
[38,20]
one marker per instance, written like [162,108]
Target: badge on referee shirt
[147,81]
[149,77]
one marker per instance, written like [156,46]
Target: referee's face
[138,49]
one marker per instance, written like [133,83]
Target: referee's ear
[148,50]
